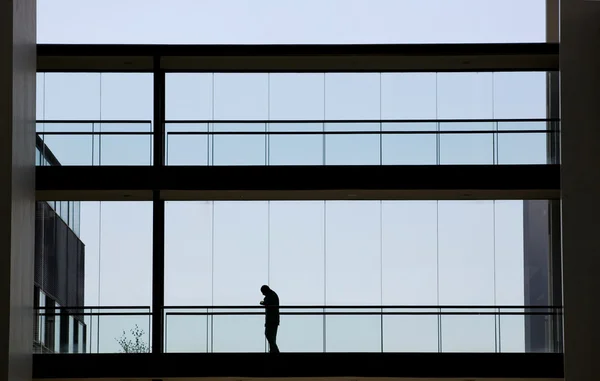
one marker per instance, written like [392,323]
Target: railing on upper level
[93,142]
[218,329]
[310,142]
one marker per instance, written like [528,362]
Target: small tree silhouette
[134,345]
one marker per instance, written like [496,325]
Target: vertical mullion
[158,212]
[158,271]
[159,114]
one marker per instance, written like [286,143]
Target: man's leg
[271,335]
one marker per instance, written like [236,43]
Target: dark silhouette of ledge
[416,365]
[299,182]
[300,58]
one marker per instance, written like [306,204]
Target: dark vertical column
[158,215]
[158,272]
[580,186]
[17,186]
[159,114]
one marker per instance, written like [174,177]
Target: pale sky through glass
[290,21]
[346,252]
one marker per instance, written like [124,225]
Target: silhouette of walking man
[271,303]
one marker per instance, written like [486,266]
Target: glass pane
[72,96]
[68,149]
[77,218]
[123,334]
[80,340]
[520,95]
[409,149]
[522,148]
[127,96]
[466,254]
[296,248]
[184,149]
[409,253]
[241,260]
[465,96]
[296,96]
[466,333]
[353,148]
[300,333]
[509,248]
[351,96]
[241,96]
[187,333]
[71,335]
[117,237]
[511,329]
[411,333]
[353,251]
[467,148]
[42,320]
[188,256]
[57,328]
[353,333]
[232,149]
[125,149]
[189,96]
[408,96]
[296,149]
[238,333]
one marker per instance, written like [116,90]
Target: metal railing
[304,142]
[362,328]
[214,329]
[95,142]
[106,329]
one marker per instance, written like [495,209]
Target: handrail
[356,121]
[93,307]
[354,132]
[371,313]
[92,121]
[481,307]
[95,133]
[403,306]
[297,121]
[72,313]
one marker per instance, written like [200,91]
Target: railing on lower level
[328,142]
[218,329]
[92,329]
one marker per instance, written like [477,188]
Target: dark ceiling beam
[300,182]
[301,58]
[263,365]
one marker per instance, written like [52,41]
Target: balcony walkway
[260,365]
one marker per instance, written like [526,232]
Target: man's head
[265,289]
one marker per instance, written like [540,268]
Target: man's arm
[268,301]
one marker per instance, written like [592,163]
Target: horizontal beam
[300,58]
[299,182]
[396,365]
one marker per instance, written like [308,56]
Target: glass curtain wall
[356,118]
[95,118]
[334,253]
[352,253]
